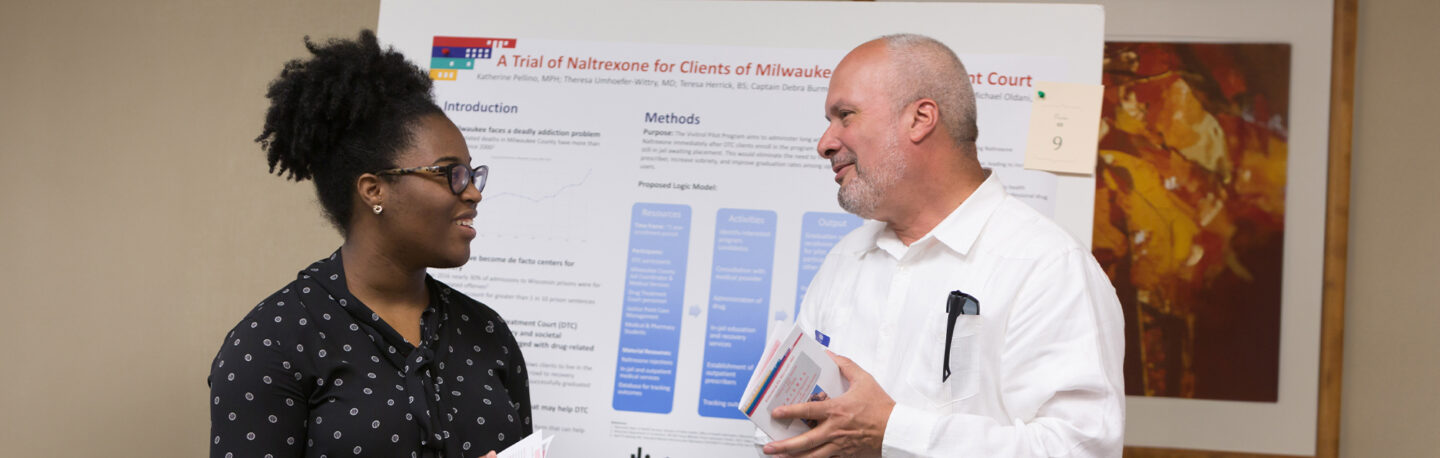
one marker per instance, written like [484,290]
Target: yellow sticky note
[1064,127]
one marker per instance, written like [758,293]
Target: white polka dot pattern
[322,367]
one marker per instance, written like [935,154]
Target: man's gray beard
[864,193]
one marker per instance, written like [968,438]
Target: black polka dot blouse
[313,372]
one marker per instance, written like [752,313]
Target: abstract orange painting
[1190,213]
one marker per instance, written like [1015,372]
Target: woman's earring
[377,208]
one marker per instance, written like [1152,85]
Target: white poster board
[655,201]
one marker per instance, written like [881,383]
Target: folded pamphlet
[793,370]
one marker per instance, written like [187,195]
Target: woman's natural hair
[347,110]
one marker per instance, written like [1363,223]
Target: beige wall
[1391,406]
[117,286]
[137,222]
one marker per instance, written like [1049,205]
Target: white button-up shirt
[1036,373]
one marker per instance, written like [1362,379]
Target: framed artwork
[1221,217]
[1190,213]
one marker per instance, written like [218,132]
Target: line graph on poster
[536,202]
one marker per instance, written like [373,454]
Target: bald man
[966,323]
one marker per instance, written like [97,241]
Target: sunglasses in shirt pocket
[928,361]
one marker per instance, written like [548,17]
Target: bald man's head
[924,68]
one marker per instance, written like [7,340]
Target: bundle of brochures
[793,370]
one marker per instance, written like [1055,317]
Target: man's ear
[924,119]
[371,189]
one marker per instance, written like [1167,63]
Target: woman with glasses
[364,354]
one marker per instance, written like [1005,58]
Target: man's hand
[851,425]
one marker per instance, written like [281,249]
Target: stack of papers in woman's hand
[536,445]
[793,370]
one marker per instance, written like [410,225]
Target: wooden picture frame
[1336,241]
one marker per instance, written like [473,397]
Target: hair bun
[320,104]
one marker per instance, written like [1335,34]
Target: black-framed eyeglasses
[459,175]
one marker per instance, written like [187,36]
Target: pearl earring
[377,208]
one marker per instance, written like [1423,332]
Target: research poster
[656,204]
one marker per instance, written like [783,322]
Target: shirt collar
[329,275]
[958,230]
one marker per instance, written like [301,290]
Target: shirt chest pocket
[927,361]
